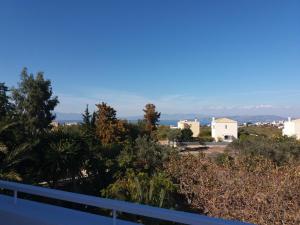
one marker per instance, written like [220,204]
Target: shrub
[252,189]
[281,150]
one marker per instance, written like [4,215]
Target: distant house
[54,124]
[194,125]
[224,129]
[291,128]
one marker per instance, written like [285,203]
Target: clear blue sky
[209,57]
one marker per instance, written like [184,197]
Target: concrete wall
[221,130]
[292,128]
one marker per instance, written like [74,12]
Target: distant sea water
[161,122]
[203,120]
[168,122]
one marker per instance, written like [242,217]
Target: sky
[233,57]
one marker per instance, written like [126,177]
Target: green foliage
[281,150]
[5,105]
[7,159]
[88,126]
[174,135]
[34,102]
[86,118]
[205,131]
[134,130]
[166,133]
[145,155]
[64,155]
[266,131]
[139,187]
[162,132]
[140,178]
[151,118]
[186,135]
[205,139]
[205,135]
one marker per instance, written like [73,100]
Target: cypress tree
[151,118]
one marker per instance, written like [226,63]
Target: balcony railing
[114,205]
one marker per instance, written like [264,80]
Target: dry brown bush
[246,189]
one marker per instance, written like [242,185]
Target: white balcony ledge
[16,211]
[33,213]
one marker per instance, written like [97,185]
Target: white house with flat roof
[224,129]
[194,125]
[291,128]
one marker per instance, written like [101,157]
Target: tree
[162,132]
[139,187]
[88,123]
[7,159]
[151,118]
[86,117]
[93,119]
[63,156]
[109,129]
[186,134]
[140,177]
[281,150]
[34,101]
[174,135]
[5,105]
[145,155]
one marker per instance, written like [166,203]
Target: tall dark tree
[5,105]
[34,101]
[86,118]
[151,118]
[93,119]
[88,127]
[11,133]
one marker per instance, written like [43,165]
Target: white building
[291,128]
[224,129]
[194,125]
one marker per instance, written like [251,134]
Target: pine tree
[151,118]
[5,105]
[88,124]
[34,101]
[86,117]
[93,120]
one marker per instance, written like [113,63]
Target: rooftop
[225,120]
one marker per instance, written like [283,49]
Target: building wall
[292,128]
[297,129]
[220,130]
[289,128]
[193,125]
